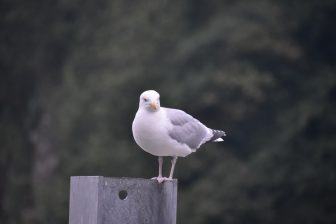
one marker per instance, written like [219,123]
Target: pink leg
[159,178]
[172,168]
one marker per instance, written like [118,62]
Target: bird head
[150,100]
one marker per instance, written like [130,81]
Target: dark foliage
[71,72]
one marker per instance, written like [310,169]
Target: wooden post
[105,200]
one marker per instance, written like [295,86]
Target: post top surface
[123,179]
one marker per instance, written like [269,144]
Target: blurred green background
[71,72]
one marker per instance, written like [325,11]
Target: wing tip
[217,135]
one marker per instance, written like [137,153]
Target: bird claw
[161,179]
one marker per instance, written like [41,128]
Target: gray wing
[186,129]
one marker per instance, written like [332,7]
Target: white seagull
[164,131]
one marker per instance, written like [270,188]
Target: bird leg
[173,161]
[160,166]
[159,178]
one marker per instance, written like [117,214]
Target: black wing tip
[217,134]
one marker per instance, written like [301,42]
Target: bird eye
[145,99]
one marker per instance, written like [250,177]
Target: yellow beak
[154,105]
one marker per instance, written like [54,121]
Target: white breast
[150,131]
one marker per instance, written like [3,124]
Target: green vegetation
[264,71]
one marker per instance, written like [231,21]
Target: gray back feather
[186,129]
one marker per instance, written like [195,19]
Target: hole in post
[123,194]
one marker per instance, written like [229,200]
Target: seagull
[163,131]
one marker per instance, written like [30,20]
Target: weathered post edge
[102,200]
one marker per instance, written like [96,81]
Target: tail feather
[218,140]
[217,136]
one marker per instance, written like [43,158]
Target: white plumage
[163,131]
